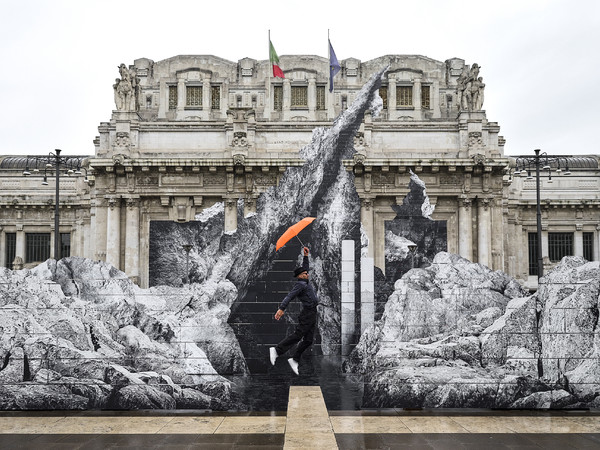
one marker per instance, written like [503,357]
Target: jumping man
[307,320]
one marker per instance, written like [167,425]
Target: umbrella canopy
[293,231]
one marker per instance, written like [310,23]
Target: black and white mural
[78,334]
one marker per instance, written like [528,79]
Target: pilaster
[132,239]
[287,99]
[465,228]
[367,220]
[483,232]
[578,240]
[113,232]
[230,214]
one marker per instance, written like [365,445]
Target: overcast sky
[540,59]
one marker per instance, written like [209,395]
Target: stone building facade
[191,131]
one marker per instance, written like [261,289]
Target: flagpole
[329,57]
[269,69]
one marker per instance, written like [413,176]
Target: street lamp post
[412,247]
[55,161]
[541,161]
[187,248]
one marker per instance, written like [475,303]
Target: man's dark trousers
[305,330]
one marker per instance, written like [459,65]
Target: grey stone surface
[85,332]
[457,334]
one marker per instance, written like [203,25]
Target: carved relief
[450,179]
[359,158]
[181,180]
[475,139]
[122,139]
[359,140]
[239,139]
[265,179]
[214,179]
[383,178]
[147,180]
[239,159]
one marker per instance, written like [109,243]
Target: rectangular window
[533,253]
[193,96]
[277,98]
[559,245]
[320,98]
[588,246]
[172,98]
[37,247]
[404,96]
[425,97]
[383,93]
[299,97]
[11,247]
[65,245]
[215,97]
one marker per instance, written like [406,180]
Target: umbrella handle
[300,241]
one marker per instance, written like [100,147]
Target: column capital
[465,202]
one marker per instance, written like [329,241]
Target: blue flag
[334,66]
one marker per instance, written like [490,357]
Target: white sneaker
[273,355]
[294,365]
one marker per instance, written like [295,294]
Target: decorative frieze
[212,179]
[455,180]
[178,180]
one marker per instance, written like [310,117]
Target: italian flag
[277,72]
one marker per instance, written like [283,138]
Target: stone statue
[126,89]
[469,89]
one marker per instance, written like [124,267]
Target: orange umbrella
[293,231]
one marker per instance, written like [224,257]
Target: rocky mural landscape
[459,335]
[79,334]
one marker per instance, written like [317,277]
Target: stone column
[180,94]
[596,251]
[483,232]
[417,94]
[206,94]
[268,98]
[367,293]
[347,291]
[523,252]
[497,241]
[545,247]
[132,239]
[113,232]
[366,218]
[3,263]
[391,95]
[465,229]
[287,99]
[230,214]
[20,244]
[312,98]
[578,240]
[52,237]
[99,231]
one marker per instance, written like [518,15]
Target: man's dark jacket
[303,290]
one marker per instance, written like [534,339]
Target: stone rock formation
[93,339]
[457,334]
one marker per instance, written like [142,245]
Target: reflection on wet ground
[268,391]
